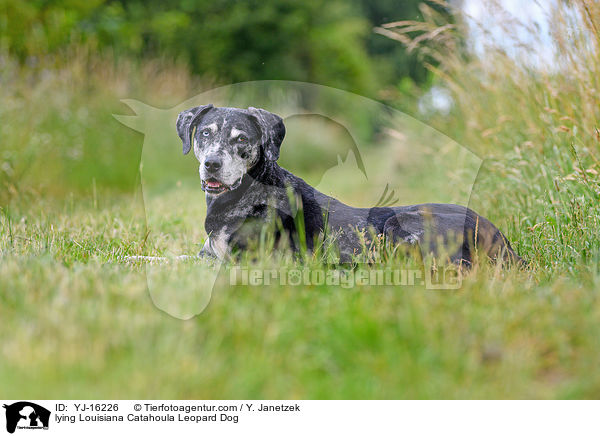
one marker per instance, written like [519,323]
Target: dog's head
[229,142]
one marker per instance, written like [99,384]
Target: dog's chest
[259,204]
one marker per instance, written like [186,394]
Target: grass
[78,322]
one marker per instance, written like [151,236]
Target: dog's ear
[272,131]
[186,121]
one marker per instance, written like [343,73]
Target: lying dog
[238,151]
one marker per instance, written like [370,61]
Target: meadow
[79,322]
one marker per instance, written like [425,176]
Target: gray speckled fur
[260,188]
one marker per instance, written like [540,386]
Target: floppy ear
[272,131]
[186,121]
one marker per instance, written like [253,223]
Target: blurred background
[66,64]
[514,84]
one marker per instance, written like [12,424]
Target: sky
[486,21]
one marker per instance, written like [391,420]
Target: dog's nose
[212,163]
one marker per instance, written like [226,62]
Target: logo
[26,415]
[354,139]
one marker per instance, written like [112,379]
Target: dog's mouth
[213,186]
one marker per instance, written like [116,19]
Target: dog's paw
[206,254]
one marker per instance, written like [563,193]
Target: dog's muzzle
[215,187]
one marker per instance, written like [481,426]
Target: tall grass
[58,133]
[536,124]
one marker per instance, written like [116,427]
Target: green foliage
[238,41]
[326,42]
[30,29]
[230,41]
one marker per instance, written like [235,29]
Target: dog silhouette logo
[26,415]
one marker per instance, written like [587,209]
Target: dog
[238,149]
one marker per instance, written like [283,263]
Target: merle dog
[238,151]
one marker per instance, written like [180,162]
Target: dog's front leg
[216,246]
[206,251]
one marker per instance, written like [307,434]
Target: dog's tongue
[214,184]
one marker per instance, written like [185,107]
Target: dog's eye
[206,132]
[242,138]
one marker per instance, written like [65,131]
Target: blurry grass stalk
[297,212]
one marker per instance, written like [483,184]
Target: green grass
[77,321]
